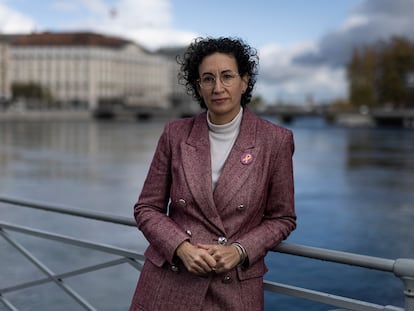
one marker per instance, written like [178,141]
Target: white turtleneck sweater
[222,138]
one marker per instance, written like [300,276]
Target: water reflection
[392,149]
[82,154]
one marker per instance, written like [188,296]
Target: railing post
[404,269]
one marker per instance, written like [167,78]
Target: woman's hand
[197,260]
[226,257]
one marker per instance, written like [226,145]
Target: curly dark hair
[246,58]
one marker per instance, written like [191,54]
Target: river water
[354,192]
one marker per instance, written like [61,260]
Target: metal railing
[401,268]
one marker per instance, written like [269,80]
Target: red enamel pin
[246,158]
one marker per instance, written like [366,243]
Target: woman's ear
[245,82]
[199,90]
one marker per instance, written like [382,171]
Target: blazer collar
[197,166]
[199,132]
[235,173]
[247,137]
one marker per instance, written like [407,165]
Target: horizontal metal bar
[73,241]
[64,275]
[128,221]
[329,299]
[293,249]
[288,248]
[136,264]
[369,262]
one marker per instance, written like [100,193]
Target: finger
[203,246]
[210,261]
[204,261]
[200,271]
[211,249]
[196,268]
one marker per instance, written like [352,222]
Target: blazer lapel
[240,162]
[196,160]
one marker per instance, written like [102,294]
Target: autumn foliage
[382,75]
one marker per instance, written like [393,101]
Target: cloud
[148,23]
[318,69]
[371,21]
[154,38]
[281,79]
[12,21]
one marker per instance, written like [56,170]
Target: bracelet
[242,252]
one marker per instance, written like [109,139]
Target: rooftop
[68,39]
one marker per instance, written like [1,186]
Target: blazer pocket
[255,271]
[155,257]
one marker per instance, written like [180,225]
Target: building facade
[5,91]
[86,69]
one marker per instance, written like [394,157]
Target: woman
[219,193]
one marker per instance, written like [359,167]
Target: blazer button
[227,279]
[222,240]
[188,232]
[241,207]
[182,202]
[175,268]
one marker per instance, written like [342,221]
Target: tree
[32,92]
[382,74]
[361,74]
[396,63]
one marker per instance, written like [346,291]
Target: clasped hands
[202,259]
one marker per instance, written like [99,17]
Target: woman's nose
[218,85]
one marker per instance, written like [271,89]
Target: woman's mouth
[219,100]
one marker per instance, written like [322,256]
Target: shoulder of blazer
[193,131]
[266,129]
[179,129]
[271,134]
[269,127]
[186,124]
[180,124]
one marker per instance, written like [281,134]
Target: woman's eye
[227,77]
[208,79]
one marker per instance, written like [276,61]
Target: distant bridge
[287,114]
[403,118]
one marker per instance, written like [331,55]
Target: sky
[303,45]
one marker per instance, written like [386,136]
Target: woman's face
[221,87]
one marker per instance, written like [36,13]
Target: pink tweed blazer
[253,204]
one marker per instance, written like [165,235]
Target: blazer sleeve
[279,217]
[150,212]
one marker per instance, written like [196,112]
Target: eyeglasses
[208,81]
